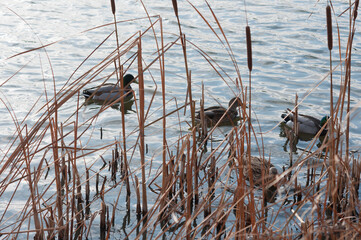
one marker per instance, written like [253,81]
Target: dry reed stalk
[141,126]
[76,201]
[80,223]
[181,178]
[195,165]
[138,209]
[189,182]
[59,202]
[33,189]
[203,120]
[348,71]
[51,225]
[164,123]
[87,193]
[183,42]
[103,225]
[240,189]
[227,46]
[124,152]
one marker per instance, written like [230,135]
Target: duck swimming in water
[215,113]
[270,175]
[257,166]
[306,124]
[110,92]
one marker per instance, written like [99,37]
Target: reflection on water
[128,103]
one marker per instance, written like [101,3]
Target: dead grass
[200,190]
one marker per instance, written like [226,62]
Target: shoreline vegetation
[204,189]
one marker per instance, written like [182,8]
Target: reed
[196,185]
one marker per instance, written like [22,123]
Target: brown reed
[229,211]
[141,126]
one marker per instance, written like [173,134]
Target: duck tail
[87,93]
[286,118]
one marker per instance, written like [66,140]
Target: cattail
[329,27]
[139,209]
[355,10]
[249,47]
[87,193]
[97,183]
[113,6]
[175,7]
[103,225]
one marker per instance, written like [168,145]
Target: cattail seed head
[112,2]
[175,6]
[249,47]
[329,27]
[355,10]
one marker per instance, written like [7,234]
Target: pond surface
[290,56]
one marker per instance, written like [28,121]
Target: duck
[257,166]
[215,113]
[270,178]
[306,124]
[109,91]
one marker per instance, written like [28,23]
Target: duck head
[234,103]
[324,120]
[127,79]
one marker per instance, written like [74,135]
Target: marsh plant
[81,187]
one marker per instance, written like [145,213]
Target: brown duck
[215,113]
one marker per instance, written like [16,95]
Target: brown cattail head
[249,47]
[175,6]
[355,10]
[329,27]
[112,2]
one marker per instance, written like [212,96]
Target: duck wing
[100,90]
[302,119]
[107,92]
[211,112]
[309,120]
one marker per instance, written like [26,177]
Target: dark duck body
[110,92]
[257,166]
[215,113]
[306,124]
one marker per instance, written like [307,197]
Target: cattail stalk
[87,193]
[141,126]
[249,60]
[332,175]
[139,209]
[164,153]
[189,191]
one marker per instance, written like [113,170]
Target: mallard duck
[257,166]
[110,92]
[215,113]
[270,174]
[306,124]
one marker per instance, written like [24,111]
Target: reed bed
[203,188]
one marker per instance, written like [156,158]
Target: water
[290,56]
